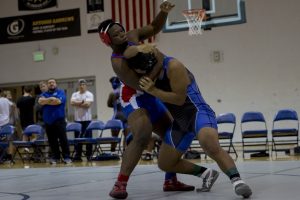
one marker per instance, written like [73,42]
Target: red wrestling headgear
[103,33]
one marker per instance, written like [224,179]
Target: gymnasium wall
[259,70]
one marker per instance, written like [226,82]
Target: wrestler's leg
[174,145]
[141,128]
[170,160]
[209,141]
[162,127]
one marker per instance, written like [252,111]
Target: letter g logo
[15,27]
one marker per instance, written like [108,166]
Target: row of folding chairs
[284,132]
[254,132]
[6,134]
[101,142]
[35,147]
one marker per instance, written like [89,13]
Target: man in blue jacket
[53,102]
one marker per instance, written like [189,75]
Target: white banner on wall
[93,21]
[95,14]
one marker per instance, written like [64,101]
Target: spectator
[82,101]
[38,110]
[37,107]
[148,155]
[114,102]
[14,115]
[13,120]
[53,102]
[5,107]
[25,105]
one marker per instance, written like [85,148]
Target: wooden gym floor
[270,178]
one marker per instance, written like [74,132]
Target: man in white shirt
[82,101]
[5,106]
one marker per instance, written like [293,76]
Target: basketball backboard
[219,12]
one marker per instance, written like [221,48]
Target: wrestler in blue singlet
[132,101]
[190,117]
[135,99]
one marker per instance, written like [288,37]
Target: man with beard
[53,102]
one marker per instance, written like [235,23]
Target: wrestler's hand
[146,48]
[147,84]
[166,6]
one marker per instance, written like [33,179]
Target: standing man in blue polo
[53,102]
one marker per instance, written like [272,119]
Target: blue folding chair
[113,124]
[5,135]
[75,128]
[254,133]
[226,128]
[95,125]
[40,143]
[285,130]
[33,132]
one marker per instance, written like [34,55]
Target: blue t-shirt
[51,113]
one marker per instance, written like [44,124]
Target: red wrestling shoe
[174,185]
[119,190]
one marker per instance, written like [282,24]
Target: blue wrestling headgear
[142,61]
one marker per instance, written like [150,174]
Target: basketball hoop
[194,18]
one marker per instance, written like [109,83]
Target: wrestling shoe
[53,161]
[175,185]
[241,188]
[209,178]
[119,190]
[67,160]
[147,157]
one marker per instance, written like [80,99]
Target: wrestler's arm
[110,100]
[157,24]
[125,74]
[179,81]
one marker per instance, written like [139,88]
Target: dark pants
[84,134]
[56,133]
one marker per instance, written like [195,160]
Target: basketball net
[194,18]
